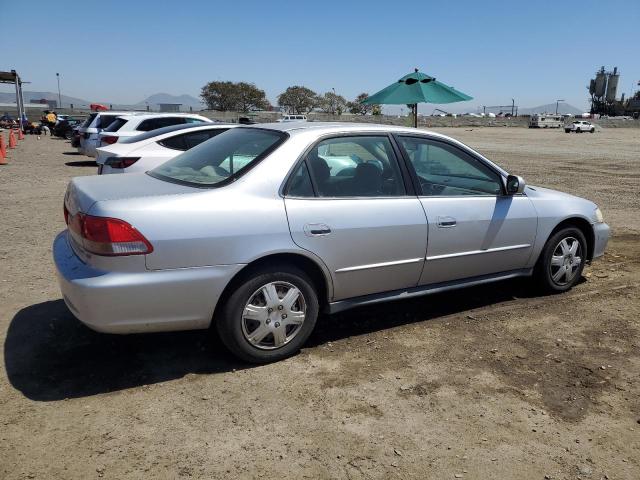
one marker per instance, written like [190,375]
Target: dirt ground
[485,383]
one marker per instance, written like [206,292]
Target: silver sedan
[258,229]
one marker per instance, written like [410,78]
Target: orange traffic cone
[12,139]
[20,134]
[3,150]
[3,147]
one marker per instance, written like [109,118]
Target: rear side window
[361,166]
[160,122]
[115,125]
[222,159]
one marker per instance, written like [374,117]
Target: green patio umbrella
[416,88]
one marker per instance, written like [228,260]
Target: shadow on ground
[49,355]
[71,153]
[82,163]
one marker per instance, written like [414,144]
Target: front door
[347,203]
[474,229]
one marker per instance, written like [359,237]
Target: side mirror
[515,185]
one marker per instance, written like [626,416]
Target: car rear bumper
[133,302]
[601,233]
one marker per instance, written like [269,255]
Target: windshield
[222,158]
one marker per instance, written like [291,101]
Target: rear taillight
[121,162]
[108,140]
[107,236]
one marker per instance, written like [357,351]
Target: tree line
[245,97]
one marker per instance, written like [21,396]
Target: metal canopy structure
[13,77]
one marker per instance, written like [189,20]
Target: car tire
[567,130]
[592,130]
[244,334]
[565,251]
[578,130]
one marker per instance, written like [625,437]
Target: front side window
[362,166]
[445,170]
[226,157]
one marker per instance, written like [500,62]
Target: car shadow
[82,163]
[71,153]
[49,355]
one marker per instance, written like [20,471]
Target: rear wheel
[269,315]
[578,130]
[562,260]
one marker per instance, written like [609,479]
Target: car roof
[335,127]
[146,115]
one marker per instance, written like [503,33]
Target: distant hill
[563,108]
[186,101]
[10,97]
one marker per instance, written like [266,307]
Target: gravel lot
[485,383]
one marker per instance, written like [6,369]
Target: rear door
[361,218]
[474,228]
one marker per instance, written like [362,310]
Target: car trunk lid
[84,192]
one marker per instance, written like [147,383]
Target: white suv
[93,125]
[580,126]
[130,126]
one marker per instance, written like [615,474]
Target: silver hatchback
[258,229]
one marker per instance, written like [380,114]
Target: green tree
[237,97]
[298,99]
[332,103]
[358,108]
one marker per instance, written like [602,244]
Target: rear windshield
[104,121]
[115,125]
[88,121]
[156,133]
[221,159]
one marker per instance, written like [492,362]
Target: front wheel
[269,315]
[562,260]
[592,130]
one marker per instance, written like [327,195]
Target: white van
[293,118]
[544,120]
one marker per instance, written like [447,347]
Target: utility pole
[513,105]
[59,96]
[334,102]
[557,102]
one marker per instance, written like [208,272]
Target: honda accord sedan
[258,229]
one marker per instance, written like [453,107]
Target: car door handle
[445,222]
[316,229]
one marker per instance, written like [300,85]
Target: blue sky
[535,52]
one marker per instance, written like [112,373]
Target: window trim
[467,151]
[284,136]
[405,175]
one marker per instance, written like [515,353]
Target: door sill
[341,305]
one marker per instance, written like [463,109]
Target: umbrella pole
[415,115]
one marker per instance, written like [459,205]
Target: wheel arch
[584,226]
[312,267]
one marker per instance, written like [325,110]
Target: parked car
[148,150]
[93,125]
[130,126]
[293,118]
[257,249]
[580,126]
[64,128]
